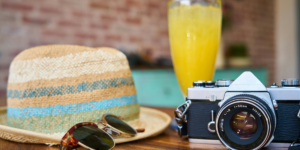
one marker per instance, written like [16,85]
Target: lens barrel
[245,122]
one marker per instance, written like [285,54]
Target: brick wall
[253,22]
[129,25]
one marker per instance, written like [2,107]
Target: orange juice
[194,32]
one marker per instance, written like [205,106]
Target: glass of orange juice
[194,31]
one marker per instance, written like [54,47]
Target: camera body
[244,114]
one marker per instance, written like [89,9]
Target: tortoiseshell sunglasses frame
[68,142]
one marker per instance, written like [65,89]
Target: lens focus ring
[245,122]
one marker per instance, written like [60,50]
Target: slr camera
[241,114]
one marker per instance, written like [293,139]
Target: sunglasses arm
[140,130]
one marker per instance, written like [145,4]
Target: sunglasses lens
[120,124]
[93,137]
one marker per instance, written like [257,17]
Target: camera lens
[243,124]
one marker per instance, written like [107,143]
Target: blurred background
[258,35]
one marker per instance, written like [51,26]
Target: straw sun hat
[51,88]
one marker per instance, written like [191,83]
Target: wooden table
[167,140]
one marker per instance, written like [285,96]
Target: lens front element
[243,124]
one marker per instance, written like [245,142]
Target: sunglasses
[88,135]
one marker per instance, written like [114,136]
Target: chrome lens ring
[266,116]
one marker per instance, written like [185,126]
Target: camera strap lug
[275,105]
[298,114]
[181,118]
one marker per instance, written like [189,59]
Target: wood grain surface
[167,140]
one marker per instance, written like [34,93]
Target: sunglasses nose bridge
[100,121]
[112,132]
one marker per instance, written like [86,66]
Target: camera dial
[290,83]
[224,83]
[210,84]
[199,83]
[274,85]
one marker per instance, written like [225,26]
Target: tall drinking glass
[194,30]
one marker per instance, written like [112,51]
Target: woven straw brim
[154,122]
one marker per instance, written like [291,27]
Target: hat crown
[51,88]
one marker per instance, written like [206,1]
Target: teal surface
[260,73]
[160,87]
[157,88]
